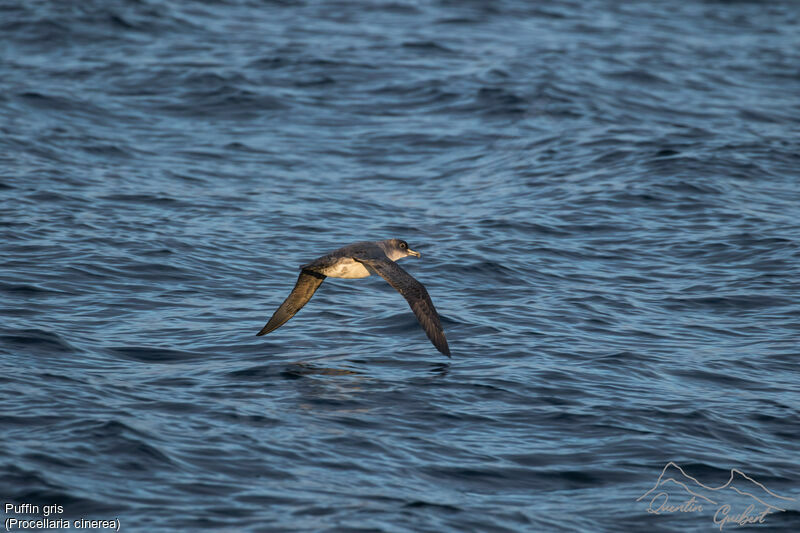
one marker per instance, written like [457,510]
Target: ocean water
[606,196]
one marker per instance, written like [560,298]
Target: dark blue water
[606,196]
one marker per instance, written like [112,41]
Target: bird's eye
[403,245]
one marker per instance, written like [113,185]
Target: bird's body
[344,267]
[360,260]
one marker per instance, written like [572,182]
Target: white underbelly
[347,268]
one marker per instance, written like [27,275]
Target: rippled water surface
[605,195]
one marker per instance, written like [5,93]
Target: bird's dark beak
[412,252]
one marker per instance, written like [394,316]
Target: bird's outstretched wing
[304,289]
[416,295]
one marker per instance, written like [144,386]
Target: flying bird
[360,260]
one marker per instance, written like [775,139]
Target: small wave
[427,47]
[147,354]
[38,341]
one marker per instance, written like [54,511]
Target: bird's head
[397,249]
